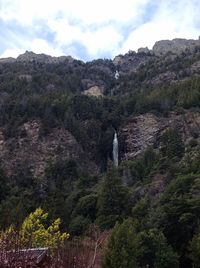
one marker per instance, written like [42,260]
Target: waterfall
[115,150]
[116,75]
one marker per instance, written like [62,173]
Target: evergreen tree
[122,249]
[195,249]
[3,185]
[172,145]
[154,250]
[132,249]
[34,232]
[113,200]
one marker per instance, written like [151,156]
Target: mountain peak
[30,56]
[176,46]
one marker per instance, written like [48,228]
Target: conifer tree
[113,200]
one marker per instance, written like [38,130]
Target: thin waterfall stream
[115,150]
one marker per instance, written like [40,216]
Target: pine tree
[122,249]
[195,249]
[113,200]
[34,232]
[172,145]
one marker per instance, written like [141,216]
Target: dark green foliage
[62,177]
[86,207]
[172,145]
[179,212]
[78,225]
[113,200]
[154,250]
[143,166]
[3,185]
[140,210]
[122,248]
[129,247]
[62,172]
[195,248]
[18,196]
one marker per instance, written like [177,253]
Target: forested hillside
[58,117]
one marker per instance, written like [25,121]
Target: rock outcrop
[35,152]
[176,46]
[94,91]
[167,77]
[145,130]
[7,60]
[144,50]
[30,56]
[130,62]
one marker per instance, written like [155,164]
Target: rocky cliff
[31,150]
[145,130]
[175,46]
[30,56]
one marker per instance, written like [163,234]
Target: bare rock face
[145,130]
[30,56]
[139,133]
[26,77]
[2,140]
[131,61]
[118,60]
[143,50]
[175,46]
[7,60]
[167,77]
[195,68]
[35,152]
[32,130]
[94,91]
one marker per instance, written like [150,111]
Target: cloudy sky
[89,29]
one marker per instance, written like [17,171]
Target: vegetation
[129,247]
[34,230]
[150,204]
[113,200]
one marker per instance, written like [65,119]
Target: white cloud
[98,26]
[65,34]
[90,11]
[87,11]
[170,21]
[37,45]
[11,52]
[40,45]
[95,25]
[106,39]
[103,39]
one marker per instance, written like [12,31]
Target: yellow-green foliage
[34,232]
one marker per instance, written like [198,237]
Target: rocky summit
[176,46]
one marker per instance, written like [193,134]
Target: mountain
[58,116]
[30,56]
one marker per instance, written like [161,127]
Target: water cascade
[116,75]
[115,150]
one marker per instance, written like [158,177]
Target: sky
[91,29]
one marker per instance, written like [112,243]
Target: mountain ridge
[160,48]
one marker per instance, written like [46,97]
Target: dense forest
[150,203]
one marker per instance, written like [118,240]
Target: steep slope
[146,130]
[58,117]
